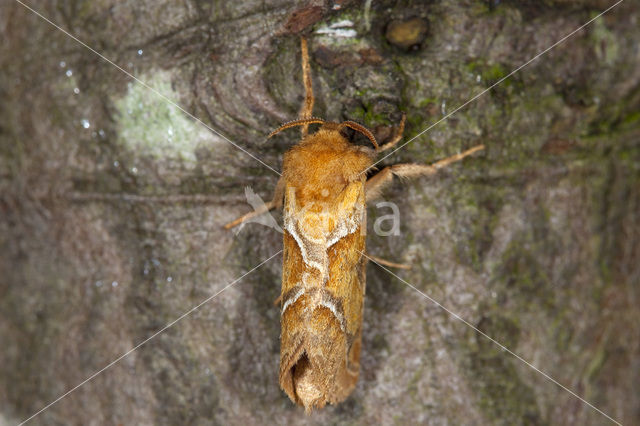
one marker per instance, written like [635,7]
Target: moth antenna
[360,128]
[294,123]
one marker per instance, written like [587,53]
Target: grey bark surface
[112,203]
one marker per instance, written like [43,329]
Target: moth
[324,191]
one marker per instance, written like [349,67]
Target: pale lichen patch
[149,125]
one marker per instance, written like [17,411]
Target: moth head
[329,125]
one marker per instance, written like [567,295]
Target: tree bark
[112,203]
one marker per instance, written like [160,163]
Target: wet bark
[112,203]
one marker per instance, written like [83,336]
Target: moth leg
[397,137]
[376,183]
[277,301]
[275,203]
[307,106]
[384,262]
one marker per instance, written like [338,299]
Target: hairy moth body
[323,279]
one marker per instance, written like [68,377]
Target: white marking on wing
[291,228]
[332,307]
[292,300]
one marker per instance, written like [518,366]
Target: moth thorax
[304,384]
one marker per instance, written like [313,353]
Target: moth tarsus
[323,191]
[384,262]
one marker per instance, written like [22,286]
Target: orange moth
[323,191]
